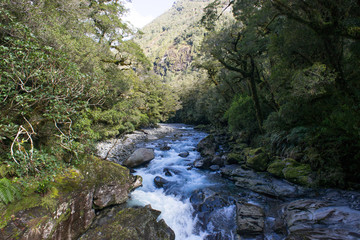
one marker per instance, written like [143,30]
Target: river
[201,205]
[175,199]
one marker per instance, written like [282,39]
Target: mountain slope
[171,40]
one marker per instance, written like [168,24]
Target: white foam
[177,214]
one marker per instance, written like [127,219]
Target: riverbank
[193,185]
[258,205]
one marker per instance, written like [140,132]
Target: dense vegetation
[287,74]
[69,77]
[279,74]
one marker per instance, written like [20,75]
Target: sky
[144,11]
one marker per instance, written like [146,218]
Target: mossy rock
[257,159]
[276,168]
[300,174]
[236,157]
[68,209]
[239,147]
[129,224]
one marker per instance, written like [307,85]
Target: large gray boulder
[139,157]
[249,219]
[316,219]
[261,183]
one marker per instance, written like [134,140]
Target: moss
[300,174]
[131,223]
[257,159]
[27,202]
[276,168]
[97,171]
[236,157]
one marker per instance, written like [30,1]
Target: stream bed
[203,205]
[177,193]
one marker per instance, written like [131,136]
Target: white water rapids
[174,203]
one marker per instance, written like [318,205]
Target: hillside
[172,40]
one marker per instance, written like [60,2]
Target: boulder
[249,219]
[207,146]
[207,162]
[165,147]
[139,157]
[68,209]
[214,167]
[184,154]
[292,171]
[236,158]
[167,172]
[214,210]
[276,168]
[257,159]
[131,223]
[316,219]
[160,182]
[262,183]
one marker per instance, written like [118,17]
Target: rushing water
[174,200]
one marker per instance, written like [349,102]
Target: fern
[8,192]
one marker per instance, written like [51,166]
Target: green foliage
[8,191]
[68,79]
[241,115]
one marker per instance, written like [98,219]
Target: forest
[283,75]
[70,76]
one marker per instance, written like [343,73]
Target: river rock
[167,172]
[131,223]
[68,209]
[249,219]
[184,154]
[207,146]
[139,157]
[214,167]
[257,159]
[165,147]
[316,219]
[261,183]
[160,182]
[292,171]
[213,209]
[207,162]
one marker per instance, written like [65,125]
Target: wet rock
[165,147]
[167,172]
[261,183]
[160,182]
[207,146]
[131,223]
[207,162]
[213,210]
[200,163]
[214,167]
[316,219]
[250,219]
[184,154]
[139,157]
